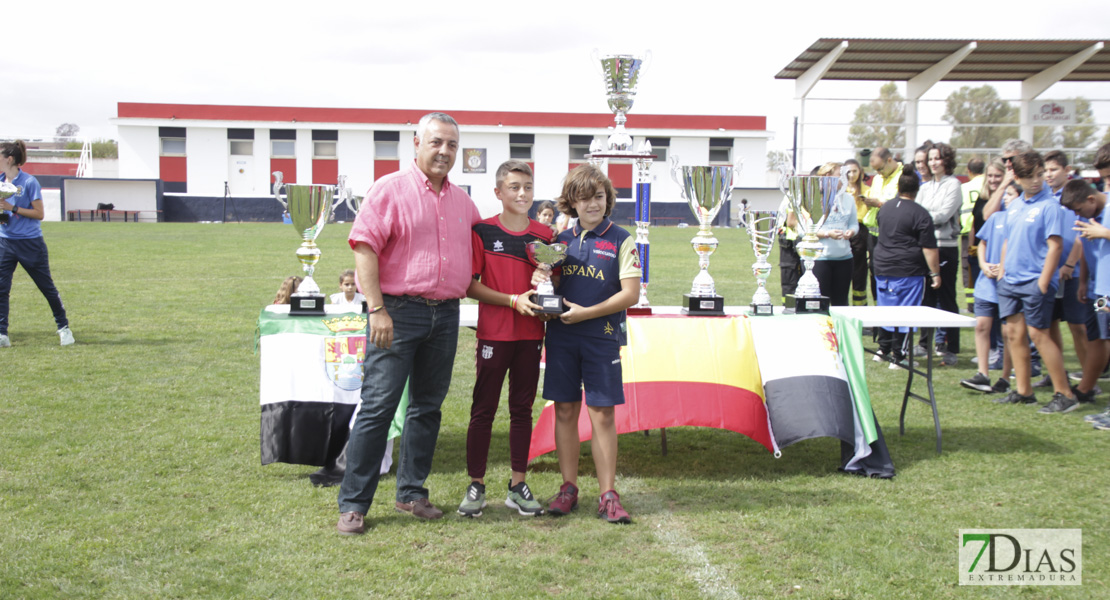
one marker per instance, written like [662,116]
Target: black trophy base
[703,306]
[815,304]
[550,304]
[307,306]
[762,310]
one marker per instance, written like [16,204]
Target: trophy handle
[674,170]
[737,168]
[786,171]
[595,58]
[278,176]
[647,61]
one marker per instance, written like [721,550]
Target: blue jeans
[424,343]
[33,256]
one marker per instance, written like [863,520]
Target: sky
[80,59]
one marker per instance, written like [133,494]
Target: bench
[103,215]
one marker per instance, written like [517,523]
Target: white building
[197,149]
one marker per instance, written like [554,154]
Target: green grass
[129,463]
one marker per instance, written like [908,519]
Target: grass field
[129,463]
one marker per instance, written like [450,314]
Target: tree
[973,114]
[100,148]
[776,158]
[67,130]
[881,121]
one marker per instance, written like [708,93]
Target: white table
[909,316]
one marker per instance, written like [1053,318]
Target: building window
[324,149]
[720,151]
[520,146]
[173,146]
[580,147]
[659,147]
[242,147]
[387,145]
[283,149]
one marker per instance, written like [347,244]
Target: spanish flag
[688,371]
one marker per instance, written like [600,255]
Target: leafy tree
[881,121]
[972,111]
[67,130]
[100,149]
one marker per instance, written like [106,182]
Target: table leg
[931,400]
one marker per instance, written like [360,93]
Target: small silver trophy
[706,189]
[309,207]
[7,190]
[547,257]
[762,228]
[812,198]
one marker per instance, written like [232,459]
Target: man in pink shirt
[411,241]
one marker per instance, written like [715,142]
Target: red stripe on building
[288,168]
[63,169]
[289,114]
[621,175]
[325,171]
[385,167]
[172,168]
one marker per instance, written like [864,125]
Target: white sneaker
[66,335]
[878,357]
[5,342]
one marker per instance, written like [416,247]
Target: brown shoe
[420,508]
[351,523]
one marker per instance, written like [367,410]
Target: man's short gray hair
[1015,147]
[434,116]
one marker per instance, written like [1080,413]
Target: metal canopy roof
[990,60]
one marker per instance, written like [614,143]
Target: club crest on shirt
[487,352]
[1032,214]
[343,360]
[635,258]
[498,246]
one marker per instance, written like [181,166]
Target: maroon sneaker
[565,501]
[351,523]
[609,508]
[420,508]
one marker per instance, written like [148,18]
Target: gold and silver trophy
[706,189]
[762,228]
[547,257]
[309,207]
[7,190]
[812,198]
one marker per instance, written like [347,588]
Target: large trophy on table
[812,198]
[762,228]
[7,190]
[310,207]
[547,257]
[706,190]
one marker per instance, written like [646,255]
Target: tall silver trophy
[706,189]
[7,190]
[762,228]
[310,207]
[622,75]
[547,257]
[812,198]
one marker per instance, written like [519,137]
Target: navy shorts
[1027,299]
[1071,309]
[986,308]
[1098,324]
[574,362]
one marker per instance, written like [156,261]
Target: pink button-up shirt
[422,238]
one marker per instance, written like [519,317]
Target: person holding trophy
[21,241]
[598,281]
[510,337]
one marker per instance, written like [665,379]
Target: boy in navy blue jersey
[1027,286]
[598,281]
[509,337]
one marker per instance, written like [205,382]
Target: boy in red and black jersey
[510,337]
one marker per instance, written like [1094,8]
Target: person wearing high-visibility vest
[970,191]
[884,187]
